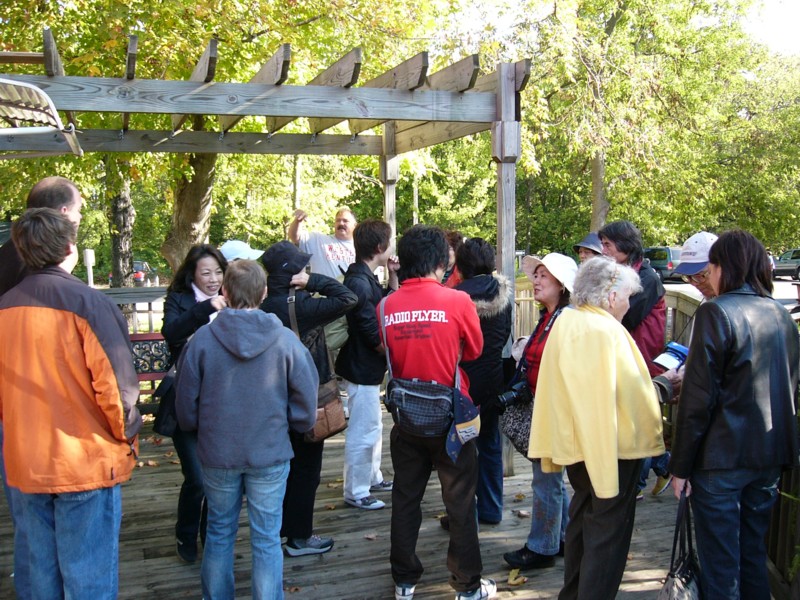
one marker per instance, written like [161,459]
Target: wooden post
[389,167]
[506,148]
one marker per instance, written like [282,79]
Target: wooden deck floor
[358,566]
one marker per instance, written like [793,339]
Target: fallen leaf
[439,516]
[168,454]
[175,462]
[334,485]
[152,463]
[371,536]
[293,589]
[140,464]
[519,497]
[330,507]
[514,578]
[158,441]
[522,514]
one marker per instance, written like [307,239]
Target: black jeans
[301,488]
[413,459]
[598,534]
[192,511]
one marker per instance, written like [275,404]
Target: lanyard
[523,363]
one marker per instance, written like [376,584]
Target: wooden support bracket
[204,71]
[52,62]
[130,71]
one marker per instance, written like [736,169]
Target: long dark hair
[742,259]
[184,276]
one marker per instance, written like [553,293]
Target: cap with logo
[694,254]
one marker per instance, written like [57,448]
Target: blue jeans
[658,464]
[21,573]
[731,515]
[550,511]
[191,506]
[74,543]
[490,468]
[265,487]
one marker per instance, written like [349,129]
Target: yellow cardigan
[595,402]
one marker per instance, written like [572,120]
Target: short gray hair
[600,276]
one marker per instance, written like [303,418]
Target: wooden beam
[204,71]
[430,134]
[522,73]
[97,94]
[274,72]
[110,140]
[408,75]
[52,62]
[130,71]
[342,74]
[21,58]
[458,77]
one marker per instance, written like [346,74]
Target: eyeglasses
[696,278]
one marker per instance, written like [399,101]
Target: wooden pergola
[410,108]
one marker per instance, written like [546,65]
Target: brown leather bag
[330,410]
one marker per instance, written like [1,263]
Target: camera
[673,357]
[519,392]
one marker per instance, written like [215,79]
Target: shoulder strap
[290,300]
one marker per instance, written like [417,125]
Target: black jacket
[312,312]
[491,295]
[12,269]
[739,396]
[362,359]
[183,315]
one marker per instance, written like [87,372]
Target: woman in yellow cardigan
[597,414]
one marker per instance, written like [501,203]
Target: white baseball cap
[561,267]
[694,254]
[236,249]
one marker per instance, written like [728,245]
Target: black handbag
[684,570]
[421,408]
[166,421]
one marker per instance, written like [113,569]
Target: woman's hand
[677,487]
[300,280]
[219,302]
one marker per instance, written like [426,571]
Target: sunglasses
[696,278]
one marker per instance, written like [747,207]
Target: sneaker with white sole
[404,591]
[383,486]
[367,503]
[662,483]
[313,545]
[487,589]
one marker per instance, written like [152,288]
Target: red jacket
[426,324]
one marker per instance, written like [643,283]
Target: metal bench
[151,359]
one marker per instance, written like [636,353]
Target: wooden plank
[21,58]
[408,75]
[97,94]
[204,71]
[522,73]
[343,74]
[110,140]
[430,134]
[130,71]
[274,72]
[52,62]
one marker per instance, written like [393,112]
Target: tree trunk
[121,218]
[600,204]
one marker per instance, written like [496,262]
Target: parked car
[143,275]
[664,259]
[788,264]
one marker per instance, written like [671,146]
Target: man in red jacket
[426,327]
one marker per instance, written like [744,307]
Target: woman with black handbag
[193,299]
[552,277]
[286,264]
[736,426]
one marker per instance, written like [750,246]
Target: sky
[776,25]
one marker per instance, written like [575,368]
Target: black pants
[192,509]
[598,534]
[413,459]
[301,488]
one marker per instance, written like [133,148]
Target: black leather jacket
[738,402]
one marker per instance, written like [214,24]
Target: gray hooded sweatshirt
[242,382]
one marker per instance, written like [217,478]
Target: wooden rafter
[341,74]
[408,75]
[21,58]
[274,72]
[203,72]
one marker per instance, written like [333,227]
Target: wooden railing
[130,300]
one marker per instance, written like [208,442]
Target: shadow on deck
[358,566]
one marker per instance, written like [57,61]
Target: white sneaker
[404,591]
[487,589]
[367,503]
